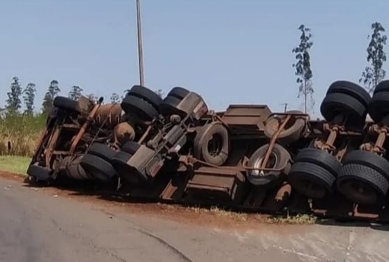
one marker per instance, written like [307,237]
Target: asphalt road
[35,226]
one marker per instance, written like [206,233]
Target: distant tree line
[371,76]
[18,96]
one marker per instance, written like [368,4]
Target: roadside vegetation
[14,164]
[19,134]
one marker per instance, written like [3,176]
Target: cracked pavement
[39,227]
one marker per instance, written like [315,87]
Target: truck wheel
[293,129]
[66,104]
[102,151]
[53,114]
[39,173]
[133,104]
[178,92]
[98,167]
[365,158]
[119,162]
[75,170]
[279,158]
[382,86]
[351,89]
[169,106]
[379,106]
[146,94]
[362,184]
[320,158]
[337,103]
[212,144]
[130,147]
[311,179]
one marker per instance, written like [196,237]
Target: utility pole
[140,48]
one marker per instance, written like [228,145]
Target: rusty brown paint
[83,128]
[273,141]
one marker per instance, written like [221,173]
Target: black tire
[320,158]
[293,129]
[365,158]
[336,103]
[66,104]
[119,162]
[281,158]
[351,89]
[98,167]
[146,94]
[130,147]
[382,86]
[102,151]
[75,171]
[133,104]
[379,106]
[178,92]
[311,180]
[353,177]
[218,135]
[52,116]
[169,106]
[39,173]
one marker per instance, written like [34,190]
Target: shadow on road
[109,193]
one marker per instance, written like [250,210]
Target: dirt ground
[199,216]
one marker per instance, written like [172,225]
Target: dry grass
[213,211]
[21,133]
[298,219]
[220,213]
[14,164]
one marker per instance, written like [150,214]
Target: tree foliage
[126,91]
[376,56]
[159,92]
[13,101]
[92,97]
[303,67]
[115,98]
[51,93]
[75,92]
[29,97]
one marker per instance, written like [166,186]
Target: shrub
[19,134]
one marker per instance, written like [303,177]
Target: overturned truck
[175,149]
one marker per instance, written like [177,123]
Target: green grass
[14,164]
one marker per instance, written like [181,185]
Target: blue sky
[227,51]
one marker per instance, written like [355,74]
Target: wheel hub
[271,163]
[310,188]
[359,192]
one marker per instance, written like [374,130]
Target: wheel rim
[271,163]
[359,191]
[288,124]
[215,144]
[310,188]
